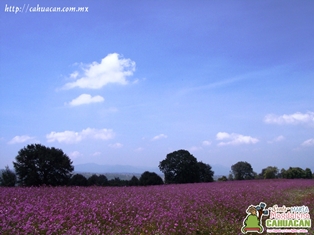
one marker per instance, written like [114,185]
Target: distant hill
[125,172]
[128,170]
[220,170]
[121,176]
[96,168]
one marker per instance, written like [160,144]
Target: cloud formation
[277,139]
[20,139]
[112,69]
[195,148]
[295,118]
[307,143]
[139,149]
[75,155]
[116,145]
[235,139]
[70,137]
[206,143]
[158,137]
[86,99]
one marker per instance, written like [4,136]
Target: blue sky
[130,81]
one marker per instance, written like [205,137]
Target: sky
[127,82]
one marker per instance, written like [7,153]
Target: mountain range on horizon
[97,168]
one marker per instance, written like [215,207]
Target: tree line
[38,165]
[147,178]
[244,171]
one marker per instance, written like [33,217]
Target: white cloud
[206,143]
[231,80]
[277,139]
[307,143]
[86,99]
[139,149]
[161,136]
[75,137]
[235,139]
[21,139]
[112,110]
[74,75]
[222,135]
[65,136]
[198,148]
[116,145]
[195,148]
[112,69]
[295,118]
[75,155]
[96,153]
[135,81]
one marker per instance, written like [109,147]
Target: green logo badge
[253,220]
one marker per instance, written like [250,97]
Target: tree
[296,173]
[270,172]
[205,171]
[180,167]
[223,178]
[100,180]
[39,165]
[242,171]
[283,173]
[230,176]
[8,178]
[93,180]
[134,181]
[78,180]
[118,182]
[308,173]
[150,178]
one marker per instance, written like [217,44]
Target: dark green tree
[223,178]
[180,167]
[78,180]
[308,173]
[230,176]
[270,172]
[102,180]
[118,182]
[134,181]
[93,180]
[39,165]
[96,180]
[150,178]
[242,171]
[7,178]
[205,172]
[283,173]
[295,173]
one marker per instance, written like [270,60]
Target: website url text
[27,8]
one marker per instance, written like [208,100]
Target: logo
[295,219]
[253,222]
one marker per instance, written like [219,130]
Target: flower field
[203,208]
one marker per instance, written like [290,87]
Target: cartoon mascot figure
[252,222]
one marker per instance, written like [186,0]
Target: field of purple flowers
[203,208]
